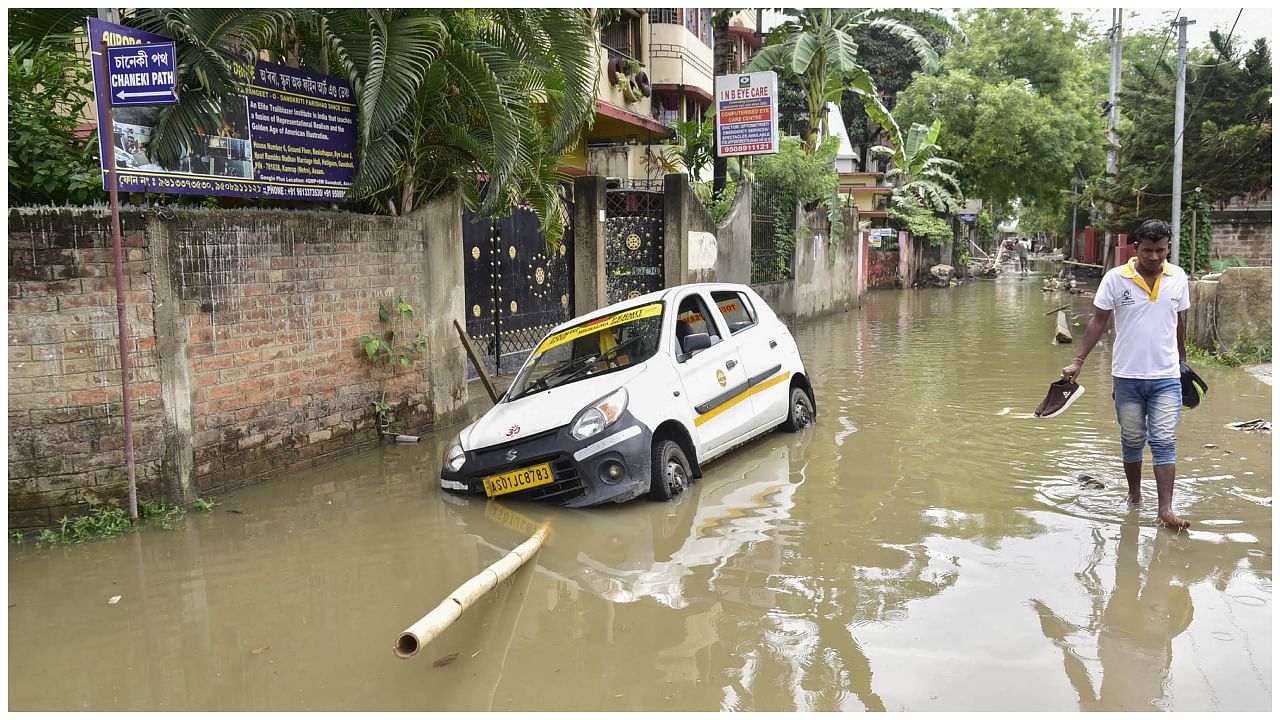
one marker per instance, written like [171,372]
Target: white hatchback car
[634,399]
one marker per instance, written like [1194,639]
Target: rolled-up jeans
[1148,412]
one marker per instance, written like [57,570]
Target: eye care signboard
[747,114]
[285,133]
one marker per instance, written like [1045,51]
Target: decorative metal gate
[634,241]
[515,290]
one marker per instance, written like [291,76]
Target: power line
[1203,89]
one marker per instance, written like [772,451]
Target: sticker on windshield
[573,333]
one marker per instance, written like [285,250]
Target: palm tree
[482,99]
[922,176]
[211,44]
[816,45]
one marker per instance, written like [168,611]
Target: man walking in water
[1148,297]
[1024,247]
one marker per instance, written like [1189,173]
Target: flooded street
[929,545]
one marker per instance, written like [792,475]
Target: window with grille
[666,16]
[622,37]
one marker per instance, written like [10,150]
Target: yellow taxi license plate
[518,480]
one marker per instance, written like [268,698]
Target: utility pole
[1180,101]
[1113,112]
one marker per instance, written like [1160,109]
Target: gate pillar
[676,192]
[589,286]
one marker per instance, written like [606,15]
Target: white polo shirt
[1146,344]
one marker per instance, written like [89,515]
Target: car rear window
[736,309]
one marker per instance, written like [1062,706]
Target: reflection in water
[1135,631]
[860,564]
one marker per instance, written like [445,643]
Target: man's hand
[1071,371]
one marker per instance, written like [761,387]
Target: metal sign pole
[109,124]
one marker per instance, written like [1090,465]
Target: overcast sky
[1254,22]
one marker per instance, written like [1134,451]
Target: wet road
[927,546]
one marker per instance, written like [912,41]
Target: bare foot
[1133,499]
[1166,517]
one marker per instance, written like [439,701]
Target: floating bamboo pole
[450,609]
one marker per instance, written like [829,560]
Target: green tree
[48,162]
[1018,129]
[448,96]
[893,64]
[817,48]
[1226,136]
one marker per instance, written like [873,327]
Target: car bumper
[578,467]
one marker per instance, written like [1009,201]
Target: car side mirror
[695,342]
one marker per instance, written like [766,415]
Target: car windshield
[597,346]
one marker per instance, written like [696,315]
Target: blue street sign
[142,74]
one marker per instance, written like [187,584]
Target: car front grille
[566,484]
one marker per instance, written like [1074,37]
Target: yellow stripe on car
[698,421]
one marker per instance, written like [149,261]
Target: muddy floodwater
[929,545]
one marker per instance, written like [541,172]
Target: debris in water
[1004,411]
[259,651]
[236,512]
[445,660]
[114,599]
[1092,484]
[1210,446]
[1257,425]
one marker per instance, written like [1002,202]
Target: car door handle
[730,364]
[773,344]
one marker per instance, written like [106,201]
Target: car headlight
[454,456]
[599,415]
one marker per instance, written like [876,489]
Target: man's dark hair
[1153,230]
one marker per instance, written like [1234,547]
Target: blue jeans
[1148,412]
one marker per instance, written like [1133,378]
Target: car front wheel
[800,414]
[671,472]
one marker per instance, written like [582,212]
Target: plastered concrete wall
[244,357]
[826,278]
[698,249]
[1236,305]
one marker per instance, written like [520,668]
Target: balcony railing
[666,16]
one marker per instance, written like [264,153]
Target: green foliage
[161,514]
[1020,126]
[986,228]
[16,537]
[202,505]
[1226,137]
[483,99]
[816,49]
[1203,237]
[103,521]
[48,93]
[695,144]
[919,221]
[1245,351]
[392,349]
[795,176]
[891,61]
[924,178]
[719,204]
[1219,265]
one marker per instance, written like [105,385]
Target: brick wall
[243,346]
[1243,231]
[65,427]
